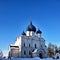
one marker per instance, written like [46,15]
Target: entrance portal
[40,55]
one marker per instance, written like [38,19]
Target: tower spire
[30,20]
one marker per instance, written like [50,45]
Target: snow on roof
[35,51]
[57,55]
[12,45]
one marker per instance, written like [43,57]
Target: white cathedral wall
[15,52]
[31,33]
[39,35]
[18,42]
[37,42]
[32,40]
[42,42]
[27,33]
[29,40]
[26,41]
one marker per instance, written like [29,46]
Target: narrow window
[24,52]
[35,46]
[24,44]
[29,45]
[29,52]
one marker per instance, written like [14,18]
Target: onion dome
[23,33]
[31,27]
[38,31]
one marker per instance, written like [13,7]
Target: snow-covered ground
[29,59]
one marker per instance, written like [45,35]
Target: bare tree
[56,49]
[1,54]
[50,50]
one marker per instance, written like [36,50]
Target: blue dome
[39,31]
[23,33]
[31,27]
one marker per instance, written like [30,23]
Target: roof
[14,46]
[23,33]
[35,51]
[31,27]
[39,31]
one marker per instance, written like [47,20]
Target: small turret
[39,33]
[23,33]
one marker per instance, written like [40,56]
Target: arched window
[29,45]
[35,46]
[29,52]
[24,52]
[24,44]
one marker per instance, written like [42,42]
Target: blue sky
[15,15]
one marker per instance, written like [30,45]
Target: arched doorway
[40,55]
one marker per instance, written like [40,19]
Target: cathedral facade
[29,44]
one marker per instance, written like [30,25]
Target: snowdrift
[29,59]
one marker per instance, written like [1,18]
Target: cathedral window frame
[29,52]
[29,44]
[24,44]
[24,52]
[35,45]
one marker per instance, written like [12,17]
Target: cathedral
[29,44]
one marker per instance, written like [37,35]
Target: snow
[36,58]
[35,51]
[57,54]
